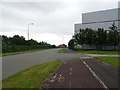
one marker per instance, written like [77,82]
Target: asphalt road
[83,73]
[106,72]
[72,74]
[14,63]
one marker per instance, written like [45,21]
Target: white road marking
[70,76]
[55,76]
[100,81]
[52,78]
[61,78]
[86,57]
[70,84]
[70,71]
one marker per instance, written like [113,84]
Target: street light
[28,28]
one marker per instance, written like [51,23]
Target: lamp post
[63,39]
[28,28]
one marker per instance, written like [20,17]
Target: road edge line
[100,81]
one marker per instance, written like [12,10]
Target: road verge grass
[96,51]
[32,77]
[110,60]
[21,52]
[61,51]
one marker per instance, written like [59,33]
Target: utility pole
[28,28]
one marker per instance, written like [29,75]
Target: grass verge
[14,53]
[61,51]
[32,77]
[96,52]
[110,60]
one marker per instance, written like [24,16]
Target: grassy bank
[27,51]
[61,50]
[110,60]
[32,77]
[96,52]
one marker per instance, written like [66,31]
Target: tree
[18,40]
[80,38]
[32,42]
[5,40]
[89,36]
[53,46]
[71,44]
[114,35]
[113,27]
[101,38]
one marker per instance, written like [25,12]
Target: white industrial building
[99,19]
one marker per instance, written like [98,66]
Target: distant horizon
[53,21]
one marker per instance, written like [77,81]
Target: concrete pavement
[108,55]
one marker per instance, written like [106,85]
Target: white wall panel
[97,17]
[105,15]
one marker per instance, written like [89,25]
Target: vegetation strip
[32,77]
[110,60]
[18,43]
[61,51]
[14,53]
[99,39]
[96,51]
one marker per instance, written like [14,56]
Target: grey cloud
[57,18]
[34,6]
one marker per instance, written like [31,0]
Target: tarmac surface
[106,72]
[72,74]
[83,73]
[15,63]
[76,70]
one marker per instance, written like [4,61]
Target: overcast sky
[53,21]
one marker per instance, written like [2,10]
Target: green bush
[17,48]
[71,44]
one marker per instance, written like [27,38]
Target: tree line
[18,43]
[97,38]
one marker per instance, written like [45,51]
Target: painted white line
[70,73]
[100,81]
[70,84]
[70,78]
[86,57]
